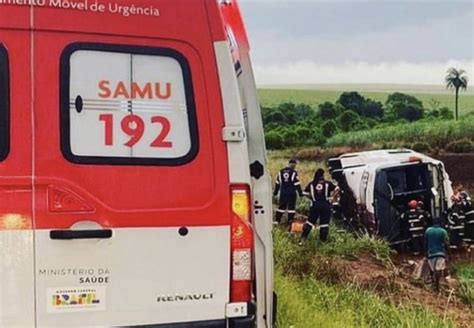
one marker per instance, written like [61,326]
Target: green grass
[435,133]
[311,295]
[309,303]
[279,159]
[273,97]
[341,244]
[465,274]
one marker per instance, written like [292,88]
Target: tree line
[294,125]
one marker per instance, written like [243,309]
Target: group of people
[419,230]
[422,232]
[461,219]
[319,191]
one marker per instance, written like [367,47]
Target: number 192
[134,126]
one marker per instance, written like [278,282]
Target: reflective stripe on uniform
[412,221]
[297,183]
[417,236]
[416,228]
[456,227]
[280,211]
[470,212]
[326,190]
[291,211]
[324,226]
[310,224]
[311,189]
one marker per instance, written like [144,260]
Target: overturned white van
[380,183]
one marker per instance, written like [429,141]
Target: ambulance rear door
[132,195]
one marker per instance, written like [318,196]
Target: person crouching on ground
[437,242]
[319,191]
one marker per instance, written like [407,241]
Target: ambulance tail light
[241,202]
[242,243]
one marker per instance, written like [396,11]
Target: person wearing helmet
[457,218]
[422,210]
[413,223]
[319,191]
[288,185]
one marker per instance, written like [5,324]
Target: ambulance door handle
[80,234]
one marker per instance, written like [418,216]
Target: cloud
[428,41]
[308,72]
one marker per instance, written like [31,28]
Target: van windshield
[408,179]
[394,188]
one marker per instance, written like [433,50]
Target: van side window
[127,105]
[4,104]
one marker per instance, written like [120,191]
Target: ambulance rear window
[127,105]
[4,104]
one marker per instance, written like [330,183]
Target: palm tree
[456,79]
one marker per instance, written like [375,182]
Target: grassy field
[312,293]
[272,97]
[437,134]
[465,273]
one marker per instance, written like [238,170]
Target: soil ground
[399,284]
[459,167]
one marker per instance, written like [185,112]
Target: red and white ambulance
[133,182]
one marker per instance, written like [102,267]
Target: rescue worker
[428,219]
[319,191]
[436,241]
[468,233]
[469,223]
[288,184]
[413,225]
[456,221]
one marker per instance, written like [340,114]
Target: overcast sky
[359,41]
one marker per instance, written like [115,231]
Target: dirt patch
[459,167]
[397,284]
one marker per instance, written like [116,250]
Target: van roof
[384,157]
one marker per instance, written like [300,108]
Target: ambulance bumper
[242,322]
[246,322]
